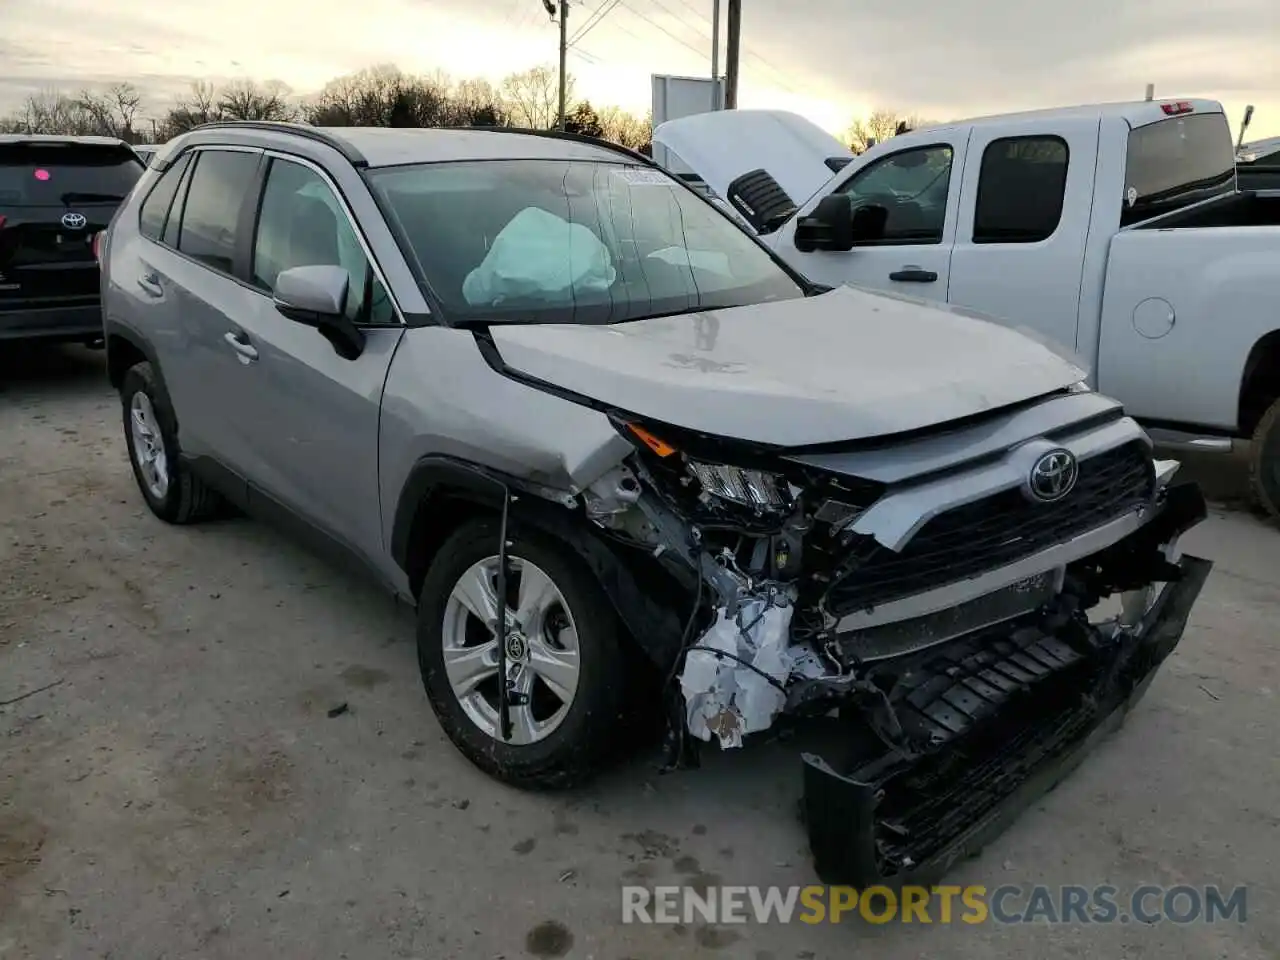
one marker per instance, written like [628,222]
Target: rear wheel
[565,662]
[171,490]
[1264,462]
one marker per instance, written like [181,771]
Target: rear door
[189,284]
[1026,204]
[54,196]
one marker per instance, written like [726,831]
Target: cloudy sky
[829,59]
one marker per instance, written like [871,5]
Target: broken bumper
[1011,714]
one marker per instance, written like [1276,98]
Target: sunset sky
[831,60]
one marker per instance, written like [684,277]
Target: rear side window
[1021,186]
[1177,162]
[155,209]
[54,175]
[218,187]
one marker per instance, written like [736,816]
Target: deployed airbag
[540,256]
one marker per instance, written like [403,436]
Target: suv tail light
[1173,109]
[98,240]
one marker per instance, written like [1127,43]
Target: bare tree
[112,111]
[625,128]
[880,126]
[52,111]
[199,106]
[247,100]
[532,97]
[386,97]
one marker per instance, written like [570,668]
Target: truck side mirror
[828,227]
[868,223]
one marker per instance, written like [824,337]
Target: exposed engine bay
[947,612]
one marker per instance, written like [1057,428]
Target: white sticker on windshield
[639,176]
[1131,195]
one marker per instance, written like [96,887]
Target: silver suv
[565,405]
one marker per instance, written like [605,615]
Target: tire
[588,731]
[173,492]
[1264,463]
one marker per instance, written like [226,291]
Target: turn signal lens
[656,444]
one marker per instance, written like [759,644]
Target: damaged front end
[942,596]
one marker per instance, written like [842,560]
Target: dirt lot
[180,790]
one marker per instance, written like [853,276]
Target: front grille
[990,533]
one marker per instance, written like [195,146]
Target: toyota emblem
[1053,476]
[74,221]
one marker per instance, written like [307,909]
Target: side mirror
[316,296]
[828,227]
[868,222]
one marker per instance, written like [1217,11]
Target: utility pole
[715,55]
[562,6]
[564,56]
[734,41]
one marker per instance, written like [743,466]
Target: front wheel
[1264,462]
[564,659]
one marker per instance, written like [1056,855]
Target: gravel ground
[180,789]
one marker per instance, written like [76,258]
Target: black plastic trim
[655,626]
[840,810]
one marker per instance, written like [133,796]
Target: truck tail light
[97,245]
[1173,109]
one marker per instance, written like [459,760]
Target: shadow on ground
[31,370]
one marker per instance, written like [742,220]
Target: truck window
[912,185]
[1177,162]
[1021,186]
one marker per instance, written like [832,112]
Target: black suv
[56,194]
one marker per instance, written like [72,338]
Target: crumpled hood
[846,365]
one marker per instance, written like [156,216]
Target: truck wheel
[173,493]
[1264,462]
[564,657]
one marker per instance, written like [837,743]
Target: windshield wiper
[72,196]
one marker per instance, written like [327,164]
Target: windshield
[1177,162]
[57,175]
[557,241]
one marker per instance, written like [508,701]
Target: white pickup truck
[1116,231]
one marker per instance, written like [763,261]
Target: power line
[592,21]
[653,23]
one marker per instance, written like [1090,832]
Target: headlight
[750,488]
[756,489]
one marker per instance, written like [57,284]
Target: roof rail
[354,156]
[635,155]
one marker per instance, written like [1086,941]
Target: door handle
[150,285]
[246,351]
[913,275]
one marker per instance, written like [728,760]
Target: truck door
[1025,202]
[918,183]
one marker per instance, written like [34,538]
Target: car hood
[724,145]
[845,365]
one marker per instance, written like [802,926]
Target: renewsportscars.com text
[1007,904]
